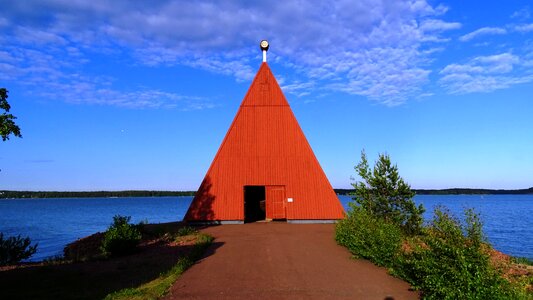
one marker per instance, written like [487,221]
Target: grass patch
[158,287]
[186,230]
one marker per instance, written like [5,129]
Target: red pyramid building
[265,168]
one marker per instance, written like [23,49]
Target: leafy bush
[446,259]
[451,261]
[383,193]
[15,249]
[186,230]
[121,237]
[370,237]
[522,260]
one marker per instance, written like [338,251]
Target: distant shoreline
[5,194]
[457,191]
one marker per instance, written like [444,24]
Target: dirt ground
[93,279]
[283,261]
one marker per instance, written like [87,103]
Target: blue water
[53,223]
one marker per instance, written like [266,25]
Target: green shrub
[121,237]
[522,260]
[186,230]
[15,249]
[446,259]
[451,261]
[370,237]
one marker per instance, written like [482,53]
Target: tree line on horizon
[455,191]
[5,194]
[91,194]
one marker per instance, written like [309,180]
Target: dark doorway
[254,203]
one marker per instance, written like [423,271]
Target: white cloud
[377,49]
[438,25]
[481,32]
[385,75]
[298,88]
[60,80]
[524,28]
[500,63]
[485,74]
[38,37]
[521,14]
[85,93]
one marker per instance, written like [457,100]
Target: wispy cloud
[522,14]
[298,89]
[3,22]
[85,93]
[482,32]
[383,53]
[386,75]
[484,74]
[438,25]
[524,28]
[53,72]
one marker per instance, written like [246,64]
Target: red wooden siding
[265,146]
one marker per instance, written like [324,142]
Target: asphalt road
[283,261]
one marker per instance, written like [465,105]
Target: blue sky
[114,95]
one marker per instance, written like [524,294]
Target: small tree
[121,237]
[14,249]
[7,125]
[383,193]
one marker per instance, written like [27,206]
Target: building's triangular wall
[265,146]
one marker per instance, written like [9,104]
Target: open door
[254,203]
[275,202]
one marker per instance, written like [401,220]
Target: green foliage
[7,125]
[121,237]
[158,287]
[451,261]
[15,249]
[522,260]
[186,230]
[448,259]
[384,194]
[370,237]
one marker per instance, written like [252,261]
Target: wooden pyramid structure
[265,153]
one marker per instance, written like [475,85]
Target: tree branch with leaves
[7,125]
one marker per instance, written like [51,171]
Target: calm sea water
[53,223]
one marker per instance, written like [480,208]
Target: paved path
[283,261]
